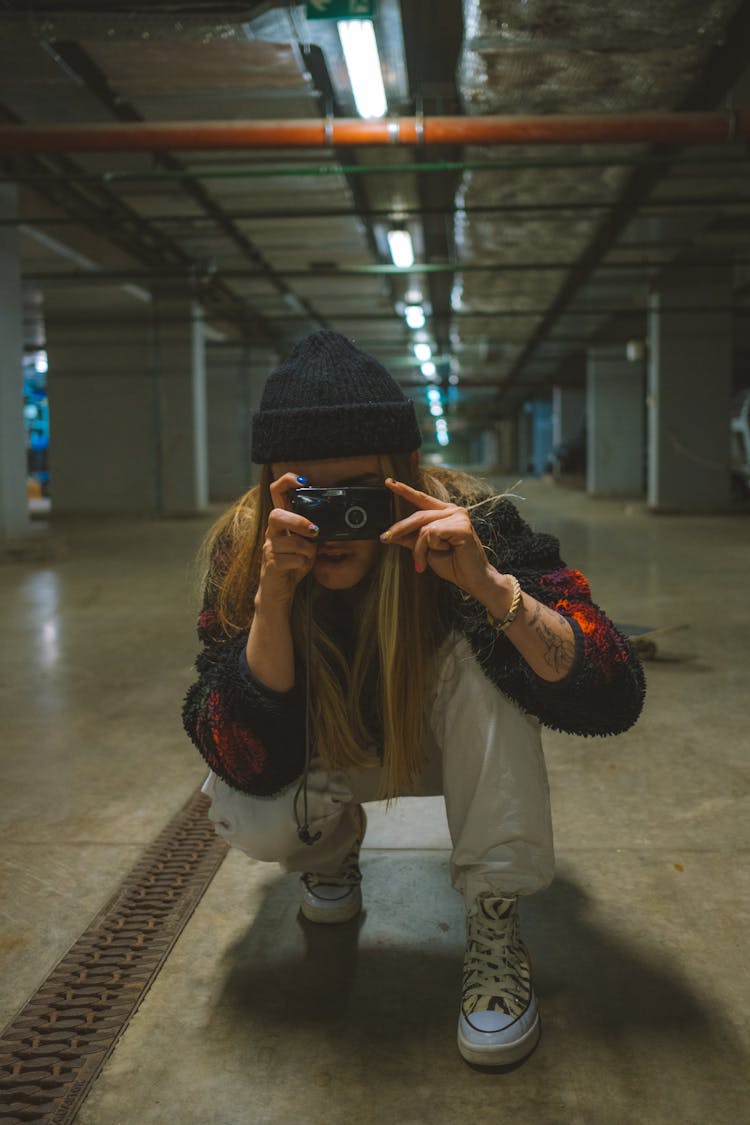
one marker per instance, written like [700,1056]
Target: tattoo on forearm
[536,613]
[559,649]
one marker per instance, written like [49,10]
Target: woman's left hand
[440,535]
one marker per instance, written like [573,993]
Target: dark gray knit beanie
[329,399]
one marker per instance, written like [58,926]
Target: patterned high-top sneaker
[499,1021]
[336,898]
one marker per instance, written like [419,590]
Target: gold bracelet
[510,616]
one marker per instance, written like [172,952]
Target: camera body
[341,512]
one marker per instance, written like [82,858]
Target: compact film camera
[360,512]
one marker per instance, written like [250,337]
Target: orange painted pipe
[668,128]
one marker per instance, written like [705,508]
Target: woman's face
[339,565]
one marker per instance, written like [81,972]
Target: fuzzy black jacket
[253,737]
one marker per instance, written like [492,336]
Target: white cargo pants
[484,756]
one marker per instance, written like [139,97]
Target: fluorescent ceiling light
[423,352]
[402,251]
[436,410]
[415,317]
[442,436]
[428,370]
[363,63]
[433,394]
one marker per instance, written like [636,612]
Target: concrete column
[103,409]
[483,450]
[614,424]
[689,391]
[542,434]
[14,514]
[507,434]
[236,374]
[127,408]
[179,339]
[568,413]
[489,450]
[525,440]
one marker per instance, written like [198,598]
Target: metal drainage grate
[54,1049]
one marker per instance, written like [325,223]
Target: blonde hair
[400,630]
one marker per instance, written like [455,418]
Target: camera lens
[355,517]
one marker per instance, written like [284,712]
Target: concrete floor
[641,966]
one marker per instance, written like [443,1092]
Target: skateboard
[645,638]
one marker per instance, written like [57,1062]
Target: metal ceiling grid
[532,57]
[204,82]
[525,237]
[698,185]
[571,80]
[286,242]
[655,230]
[367,292]
[297,190]
[288,24]
[597,24]
[138,68]
[190,84]
[63,308]
[518,56]
[87,58]
[222,105]
[506,290]
[160,204]
[395,193]
[36,86]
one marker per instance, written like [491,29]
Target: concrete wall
[689,392]
[235,379]
[615,415]
[14,519]
[568,412]
[127,410]
[104,423]
[180,365]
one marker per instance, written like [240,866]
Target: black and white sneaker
[499,1022]
[335,898]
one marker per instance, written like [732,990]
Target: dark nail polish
[313,529]
[301,480]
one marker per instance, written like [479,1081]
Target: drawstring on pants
[303,826]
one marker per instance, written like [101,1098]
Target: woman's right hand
[289,549]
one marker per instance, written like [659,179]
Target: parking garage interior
[541,227]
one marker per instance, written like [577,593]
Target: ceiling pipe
[293,170]
[76,277]
[200,222]
[669,128]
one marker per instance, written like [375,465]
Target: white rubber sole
[332,911]
[498,1054]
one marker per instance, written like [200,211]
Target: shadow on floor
[376,989]
[288,969]
[611,988]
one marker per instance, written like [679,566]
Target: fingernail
[389,480]
[301,480]
[313,528]
[418,567]
[385,536]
